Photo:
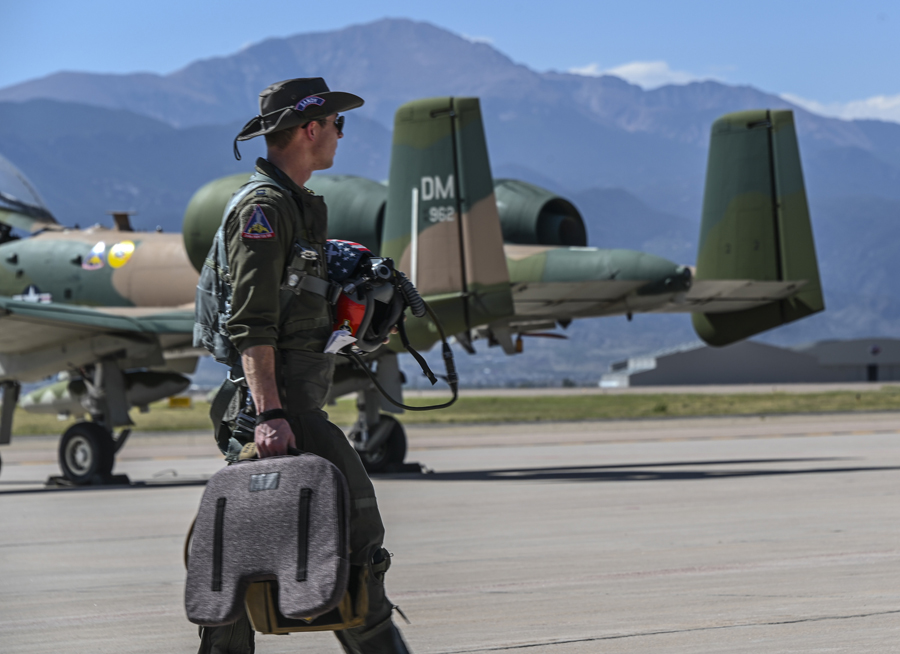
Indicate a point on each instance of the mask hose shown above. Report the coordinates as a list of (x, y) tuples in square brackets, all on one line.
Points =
[(449, 363), (411, 295)]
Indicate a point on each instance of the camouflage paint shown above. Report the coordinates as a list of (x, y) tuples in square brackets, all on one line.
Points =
[(148, 269), (203, 215), (355, 207), (440, 183), (756, 222), (547, 264)]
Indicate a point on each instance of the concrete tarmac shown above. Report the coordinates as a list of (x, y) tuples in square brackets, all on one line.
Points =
[(679, 535)]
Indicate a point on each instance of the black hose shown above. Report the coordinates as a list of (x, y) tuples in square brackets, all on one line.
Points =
[(411, 295), (362, 365), (419, 308), (449, 363)]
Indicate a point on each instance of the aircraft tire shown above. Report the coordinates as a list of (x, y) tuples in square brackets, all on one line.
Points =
[(391, 452), (86, 453)]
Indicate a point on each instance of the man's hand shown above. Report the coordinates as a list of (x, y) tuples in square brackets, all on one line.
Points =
[(273, 438)]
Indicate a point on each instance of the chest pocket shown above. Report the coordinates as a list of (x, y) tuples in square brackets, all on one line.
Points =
[(306, 294)]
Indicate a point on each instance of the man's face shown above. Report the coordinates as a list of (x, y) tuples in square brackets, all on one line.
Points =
[(326, 143)]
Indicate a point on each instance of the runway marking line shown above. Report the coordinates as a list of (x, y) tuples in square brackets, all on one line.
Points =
[(820, 560), (664, 632)]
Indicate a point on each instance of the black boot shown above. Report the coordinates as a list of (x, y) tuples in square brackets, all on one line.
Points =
[(383, 638), (235, 638), (379, 634)]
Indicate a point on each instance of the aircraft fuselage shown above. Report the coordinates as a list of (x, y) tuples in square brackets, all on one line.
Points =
[(98, 267)]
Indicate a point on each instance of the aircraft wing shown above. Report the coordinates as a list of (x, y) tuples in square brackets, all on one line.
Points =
[(566, 300), (41, 339)]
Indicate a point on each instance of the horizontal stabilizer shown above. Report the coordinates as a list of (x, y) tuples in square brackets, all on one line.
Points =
[(590, 298)]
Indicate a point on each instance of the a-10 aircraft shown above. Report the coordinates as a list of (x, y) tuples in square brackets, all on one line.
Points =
[(495, 259)]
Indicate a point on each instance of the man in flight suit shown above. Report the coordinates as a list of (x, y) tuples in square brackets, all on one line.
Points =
[(283, 356)]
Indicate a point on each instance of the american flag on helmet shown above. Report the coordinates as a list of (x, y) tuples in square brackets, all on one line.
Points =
[(343, 258)]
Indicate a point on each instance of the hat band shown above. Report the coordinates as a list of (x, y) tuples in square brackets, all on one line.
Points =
[(269, 126)]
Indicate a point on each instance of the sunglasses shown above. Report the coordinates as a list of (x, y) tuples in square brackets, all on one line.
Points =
[(338, 123)]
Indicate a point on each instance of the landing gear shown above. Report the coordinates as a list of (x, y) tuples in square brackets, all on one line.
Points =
[(377, 437), (87, 450), (87, 453), (383, 446)]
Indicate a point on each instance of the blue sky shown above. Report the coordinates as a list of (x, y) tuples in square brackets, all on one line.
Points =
[(838, 58)]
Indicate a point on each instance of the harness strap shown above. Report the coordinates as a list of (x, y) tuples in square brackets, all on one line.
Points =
[(217, 409), (299, 281)]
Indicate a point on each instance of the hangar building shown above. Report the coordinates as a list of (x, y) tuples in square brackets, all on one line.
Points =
[(750, 362)]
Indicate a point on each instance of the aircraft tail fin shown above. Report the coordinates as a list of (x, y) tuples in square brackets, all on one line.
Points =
[(441, 224), (756, 222)]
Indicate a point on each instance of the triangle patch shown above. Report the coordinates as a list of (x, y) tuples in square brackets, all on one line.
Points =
[(258, 226)]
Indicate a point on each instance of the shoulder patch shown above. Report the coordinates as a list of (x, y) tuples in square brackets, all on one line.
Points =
[(260, 191), (258, 226)]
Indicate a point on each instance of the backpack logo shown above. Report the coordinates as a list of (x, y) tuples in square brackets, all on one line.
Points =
[(258, 226), (264, 482)]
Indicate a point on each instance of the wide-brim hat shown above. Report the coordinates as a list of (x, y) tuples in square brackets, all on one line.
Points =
[(296, 102)]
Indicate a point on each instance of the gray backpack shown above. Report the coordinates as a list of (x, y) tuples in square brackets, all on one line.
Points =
[(279, 519)]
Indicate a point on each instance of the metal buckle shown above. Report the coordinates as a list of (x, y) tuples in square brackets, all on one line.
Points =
[(305, 253)]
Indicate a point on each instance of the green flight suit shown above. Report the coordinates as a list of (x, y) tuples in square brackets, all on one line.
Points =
[(260, 234)]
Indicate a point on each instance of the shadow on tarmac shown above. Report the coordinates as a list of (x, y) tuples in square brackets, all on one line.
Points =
[(644, 471), (608, 473), (135, 485)]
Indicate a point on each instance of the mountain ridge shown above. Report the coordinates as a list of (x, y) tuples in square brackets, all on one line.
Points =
[(223, 89), (392, 61)]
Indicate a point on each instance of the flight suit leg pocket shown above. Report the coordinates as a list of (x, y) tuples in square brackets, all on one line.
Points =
[(306, 380)]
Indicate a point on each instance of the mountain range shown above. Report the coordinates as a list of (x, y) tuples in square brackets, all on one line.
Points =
[(632, 160)]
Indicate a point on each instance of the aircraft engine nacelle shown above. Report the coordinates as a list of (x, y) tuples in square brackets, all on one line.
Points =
[(530, 215), (355, 211), (204, 215), (355, 207), (141, 388)]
